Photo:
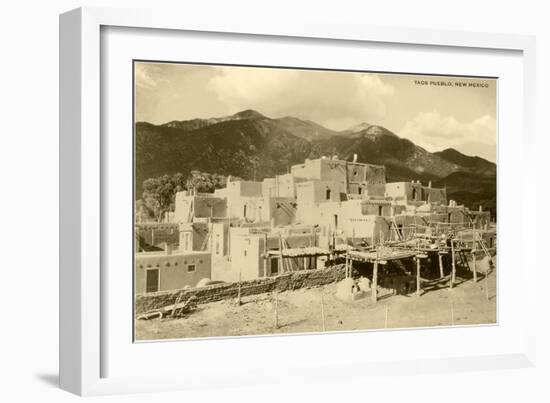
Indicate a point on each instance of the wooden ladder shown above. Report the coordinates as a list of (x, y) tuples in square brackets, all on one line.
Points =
[(394, 226), (205, 242), (485, 250)]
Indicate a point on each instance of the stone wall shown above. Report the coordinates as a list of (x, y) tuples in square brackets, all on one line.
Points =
[(217, 292)]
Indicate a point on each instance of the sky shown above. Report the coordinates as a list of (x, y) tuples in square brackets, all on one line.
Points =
[(435, 112)]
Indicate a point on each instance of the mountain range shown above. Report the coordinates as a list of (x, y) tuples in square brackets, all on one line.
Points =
[(253, 146)]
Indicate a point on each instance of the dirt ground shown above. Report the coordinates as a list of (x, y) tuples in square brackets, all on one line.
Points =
[(302, 311)]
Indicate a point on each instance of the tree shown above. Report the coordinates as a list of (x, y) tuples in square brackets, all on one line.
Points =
[(205, 182), (159, 193)]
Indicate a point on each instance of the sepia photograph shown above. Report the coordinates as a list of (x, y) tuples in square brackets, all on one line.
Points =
[(275, 200)]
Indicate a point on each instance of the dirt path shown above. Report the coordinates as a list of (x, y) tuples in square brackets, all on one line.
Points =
[(300, 311)]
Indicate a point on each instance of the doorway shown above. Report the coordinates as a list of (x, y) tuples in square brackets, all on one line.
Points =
[(152, 277), (274, 266)]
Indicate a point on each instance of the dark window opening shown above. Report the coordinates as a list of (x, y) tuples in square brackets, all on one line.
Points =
[(360, 190), (380, 210), (327, 195), (191, 268), (335, 221)]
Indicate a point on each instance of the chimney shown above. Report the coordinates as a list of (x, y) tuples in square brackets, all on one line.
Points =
[(334, 157), (355, 157), (228, 180), (167, 248), (480, 208), (429, 184)]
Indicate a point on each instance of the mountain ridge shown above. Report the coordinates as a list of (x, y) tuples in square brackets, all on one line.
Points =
[(251, 145)]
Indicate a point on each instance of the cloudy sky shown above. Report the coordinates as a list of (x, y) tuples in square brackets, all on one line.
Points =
[(460, 114)]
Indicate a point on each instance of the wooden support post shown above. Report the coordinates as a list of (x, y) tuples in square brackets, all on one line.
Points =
[(417, 275), (386, 318), (474, 265), (487, 283), (453, 270), (265, 256), (281, 262), (239, 291), (374, 287), (440, 257), (347, 263)]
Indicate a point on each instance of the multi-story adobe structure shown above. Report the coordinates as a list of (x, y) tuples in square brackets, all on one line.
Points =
[(250, 227)]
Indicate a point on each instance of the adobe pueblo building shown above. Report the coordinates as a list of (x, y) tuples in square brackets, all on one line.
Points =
[(322, 211)]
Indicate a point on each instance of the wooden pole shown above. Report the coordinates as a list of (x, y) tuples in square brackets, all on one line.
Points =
[(487, 284), (417, 275), (281, 262), (474, 268), (239, 291), (386, 318), (265, 255), (347, 263), (453, 271), (440, 257), (374, 282)]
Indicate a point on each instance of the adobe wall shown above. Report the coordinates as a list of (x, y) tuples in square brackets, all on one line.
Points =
[(155, 235), (218, 292), (173, 269)]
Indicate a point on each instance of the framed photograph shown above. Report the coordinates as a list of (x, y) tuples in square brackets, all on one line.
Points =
[(316, 200)]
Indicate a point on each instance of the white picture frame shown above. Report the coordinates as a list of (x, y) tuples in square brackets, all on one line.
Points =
[(82, 173)]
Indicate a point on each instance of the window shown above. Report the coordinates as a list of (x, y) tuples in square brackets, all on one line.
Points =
[(152, 277), (360, 190), (380, 210), (217, 244), (191, 268), (414, 194), (327, 195), (244, 211)]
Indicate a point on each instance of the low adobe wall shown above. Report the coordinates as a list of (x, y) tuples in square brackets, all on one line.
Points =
[(217, 292)]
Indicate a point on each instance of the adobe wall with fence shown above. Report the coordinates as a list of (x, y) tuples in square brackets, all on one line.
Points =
[(218, 292)]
